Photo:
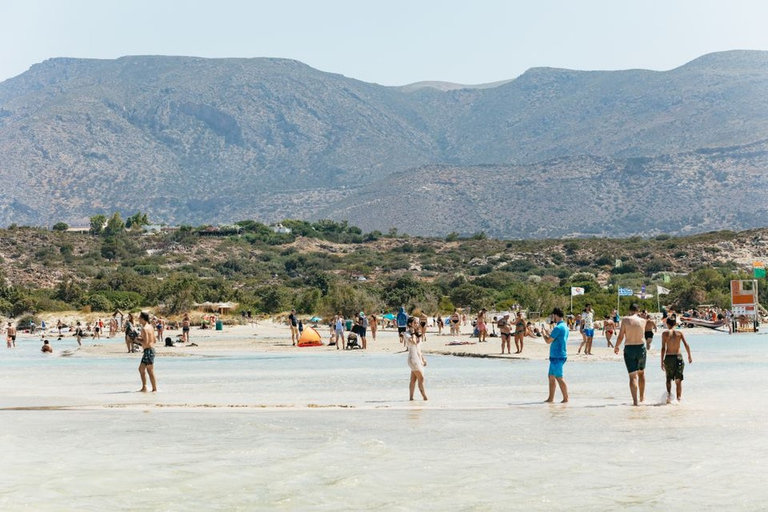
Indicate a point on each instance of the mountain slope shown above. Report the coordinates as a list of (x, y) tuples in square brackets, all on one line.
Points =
[(193, 140), (692, 192)]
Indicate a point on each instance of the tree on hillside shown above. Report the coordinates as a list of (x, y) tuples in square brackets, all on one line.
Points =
[(136, 221), (60, 226), (115, 225), (97, 224)]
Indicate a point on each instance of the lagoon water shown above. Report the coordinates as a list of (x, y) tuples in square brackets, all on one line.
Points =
[(328, 431)]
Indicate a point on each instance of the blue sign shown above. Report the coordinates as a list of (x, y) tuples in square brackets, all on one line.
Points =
[(625, 292)]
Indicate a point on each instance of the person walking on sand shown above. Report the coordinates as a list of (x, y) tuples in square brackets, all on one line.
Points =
[(588, 319), (557, 340), (373, 322), (505, 333), (650, 328), (672, 360), (160, 326), (130, 333), (147, 339), (608, 328), (362, 329), (293, 322), (423, 324), (520, 328), (185, 324), (632, 328), (339, 331), (440, 325), (416, 361), (482, 328), (455, 320)]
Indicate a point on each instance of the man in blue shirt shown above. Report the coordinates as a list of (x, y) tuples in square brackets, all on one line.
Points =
[(402, 321), (557, 340)]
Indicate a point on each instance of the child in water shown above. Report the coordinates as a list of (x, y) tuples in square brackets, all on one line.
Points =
[(671, 359), (416, 361)]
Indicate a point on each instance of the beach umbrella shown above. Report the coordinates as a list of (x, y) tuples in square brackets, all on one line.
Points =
[(315, 319), (389, 316)]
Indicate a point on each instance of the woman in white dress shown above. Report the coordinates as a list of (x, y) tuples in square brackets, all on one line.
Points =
[(416, 361)]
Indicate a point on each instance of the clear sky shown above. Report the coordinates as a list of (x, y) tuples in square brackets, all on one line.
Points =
[(391, 42)]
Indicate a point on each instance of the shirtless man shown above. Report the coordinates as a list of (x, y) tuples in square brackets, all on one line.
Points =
[(147, 339), (11, 333), (671, 358), (650, 328), (632, 328)]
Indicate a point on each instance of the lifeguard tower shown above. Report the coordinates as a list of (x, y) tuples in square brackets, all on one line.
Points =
[(744, 305)]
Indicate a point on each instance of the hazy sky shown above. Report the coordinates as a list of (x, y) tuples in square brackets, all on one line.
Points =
[(391, 42)]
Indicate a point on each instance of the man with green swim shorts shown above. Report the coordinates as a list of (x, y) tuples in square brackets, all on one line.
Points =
[(557, 340), (632, 328)]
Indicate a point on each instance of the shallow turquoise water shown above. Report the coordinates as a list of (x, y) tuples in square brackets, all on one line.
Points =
[(339, 433)]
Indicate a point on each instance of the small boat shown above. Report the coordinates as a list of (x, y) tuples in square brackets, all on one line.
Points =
[(700, 322)]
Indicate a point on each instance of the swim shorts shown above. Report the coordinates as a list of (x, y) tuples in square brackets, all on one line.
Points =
[(148, 357), (674, 366), (589, 333), (649, 335), (634, 357), (400, 330), (556, 366), (185, 329), (361, 331)]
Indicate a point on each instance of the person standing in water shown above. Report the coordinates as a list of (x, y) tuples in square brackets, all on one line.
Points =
[(148, 340), (650, 328), (558, 355), (632, 328), (416, 361), (11, 335), (672, 360)]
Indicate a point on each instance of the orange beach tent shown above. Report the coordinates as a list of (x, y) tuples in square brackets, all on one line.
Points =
[(310, 338)]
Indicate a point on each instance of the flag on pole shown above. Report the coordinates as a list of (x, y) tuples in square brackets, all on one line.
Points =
[(575, 290), (625, 292), (661, 290)]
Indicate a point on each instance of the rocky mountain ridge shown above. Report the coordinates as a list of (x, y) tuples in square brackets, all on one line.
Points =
[(193, 140)]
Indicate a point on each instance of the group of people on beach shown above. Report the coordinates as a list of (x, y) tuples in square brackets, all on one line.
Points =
[(634, 333)]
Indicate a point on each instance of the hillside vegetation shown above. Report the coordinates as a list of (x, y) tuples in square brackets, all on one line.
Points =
[(325, 267)]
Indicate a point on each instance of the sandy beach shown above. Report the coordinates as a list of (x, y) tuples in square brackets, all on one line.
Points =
[(269, 336)]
